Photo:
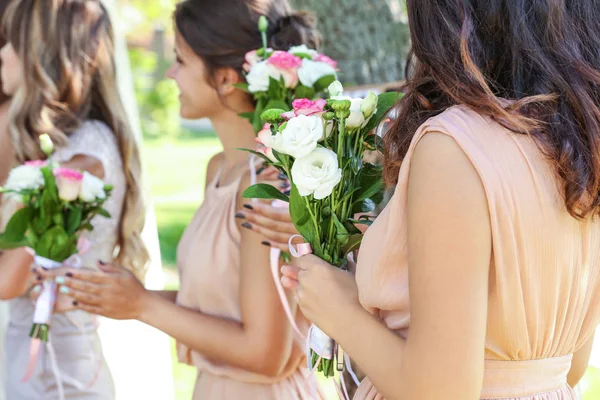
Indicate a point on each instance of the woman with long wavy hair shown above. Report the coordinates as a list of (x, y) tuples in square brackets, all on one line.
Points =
[(58, 66), (481, 278)]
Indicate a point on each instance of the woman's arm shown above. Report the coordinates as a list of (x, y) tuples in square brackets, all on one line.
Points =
[(449, 247), (579, 365), (15, 271)]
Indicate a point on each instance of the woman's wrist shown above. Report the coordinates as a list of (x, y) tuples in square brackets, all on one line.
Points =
[(147, 304)]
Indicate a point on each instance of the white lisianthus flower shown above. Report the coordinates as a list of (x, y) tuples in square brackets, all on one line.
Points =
[(369, 105), (92, 188), (258, 77), (335, 89), (25, 177), (318, 173), (299, 137), (357, 117), (311, 71), (303, 49)]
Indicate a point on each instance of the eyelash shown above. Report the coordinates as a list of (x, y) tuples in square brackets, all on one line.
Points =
[(179, 60)]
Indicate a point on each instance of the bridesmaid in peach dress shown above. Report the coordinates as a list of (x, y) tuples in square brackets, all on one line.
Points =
[(226, 317), (481, 278)]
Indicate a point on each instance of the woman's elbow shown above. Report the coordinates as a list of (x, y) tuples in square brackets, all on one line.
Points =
[(269, 361)]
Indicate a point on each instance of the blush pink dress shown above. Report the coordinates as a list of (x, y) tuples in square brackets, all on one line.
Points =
[(208, 259), (544, 294)]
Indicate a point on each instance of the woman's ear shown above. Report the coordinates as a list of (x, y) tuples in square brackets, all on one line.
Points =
[(225, 78)]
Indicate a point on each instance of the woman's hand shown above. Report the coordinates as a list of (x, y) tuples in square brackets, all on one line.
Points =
[(112, 292), (273, 223), (324, 293)]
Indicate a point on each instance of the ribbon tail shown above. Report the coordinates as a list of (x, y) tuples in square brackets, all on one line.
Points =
[(350, 370), (34, 351), (274, 258), (56, 370)]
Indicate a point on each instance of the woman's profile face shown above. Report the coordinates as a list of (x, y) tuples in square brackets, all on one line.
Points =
[(12, 72), (197, 97)]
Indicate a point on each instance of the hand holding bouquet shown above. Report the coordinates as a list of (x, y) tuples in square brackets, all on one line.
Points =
[(58, 204), (320, 146)]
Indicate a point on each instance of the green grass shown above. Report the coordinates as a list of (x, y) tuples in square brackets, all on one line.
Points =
[(176, 170)]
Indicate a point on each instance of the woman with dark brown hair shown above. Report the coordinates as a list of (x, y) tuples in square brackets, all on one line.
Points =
[(226, 316), (481, 278)]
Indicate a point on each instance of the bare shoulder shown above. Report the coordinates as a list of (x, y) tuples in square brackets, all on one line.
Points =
[(214, 164)]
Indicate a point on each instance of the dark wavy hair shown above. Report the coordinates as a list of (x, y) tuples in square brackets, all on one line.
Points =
[(222, 32), (544, 55)]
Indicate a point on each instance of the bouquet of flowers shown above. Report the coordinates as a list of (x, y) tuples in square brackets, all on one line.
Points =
[(320, 146), (58, 204), (275, 78)]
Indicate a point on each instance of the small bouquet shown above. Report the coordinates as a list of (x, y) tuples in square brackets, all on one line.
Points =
[(320, 146), (275, 78), (58, 204)]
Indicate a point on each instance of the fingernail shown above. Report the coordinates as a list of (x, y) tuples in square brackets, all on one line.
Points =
[(261, 169), (34, 270), (248, 206), (247, 225), (64, 290), (39, 277), (288, 192), (60, 280), (69, 274), (45, 269), (37, 289), (284, 185), (75, 302), (240, 215), (283, 177), (101, 262), (264, 242)]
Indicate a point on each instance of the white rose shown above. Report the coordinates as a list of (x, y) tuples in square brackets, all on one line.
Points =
[(311, 71), (300, 136), (258, 77), (92, 188), (25, 177), (317, 173), (303, 49), (356, 118)]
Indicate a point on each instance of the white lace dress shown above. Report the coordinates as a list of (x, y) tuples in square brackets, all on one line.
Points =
[(82, 369)]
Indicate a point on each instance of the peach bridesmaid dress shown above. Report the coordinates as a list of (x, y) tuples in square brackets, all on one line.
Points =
[(208, 259), (544, 294)]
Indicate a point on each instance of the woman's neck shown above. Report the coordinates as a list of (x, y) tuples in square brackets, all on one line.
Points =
[(235, 133)]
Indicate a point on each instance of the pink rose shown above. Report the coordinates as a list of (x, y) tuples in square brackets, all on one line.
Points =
[(267, 151), (36, 163), (68, 182), (324, 59), (288, 114), (308, 107), (262, 137), (284, 60)]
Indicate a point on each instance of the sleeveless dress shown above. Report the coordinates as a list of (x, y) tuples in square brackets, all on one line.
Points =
[(73, 335), (544, 291), (208, 258)]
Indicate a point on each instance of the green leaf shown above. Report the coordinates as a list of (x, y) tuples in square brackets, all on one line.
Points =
[(104, 213), (305, 92), (241, 86), (353, 243), (74, 220), (324, 82), (274, 91), (264, 191), (256, 153), (371, 183), (7, 244), (247, 115), (303, 221), (50, 183), (385, 101), (375, 142), (256, 121), (18, 225), (277, 103)]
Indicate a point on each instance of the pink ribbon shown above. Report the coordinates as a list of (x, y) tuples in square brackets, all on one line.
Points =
[(83, 246)]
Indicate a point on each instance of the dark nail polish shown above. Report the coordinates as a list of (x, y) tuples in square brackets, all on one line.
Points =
[(45, 269), (265, 243), (248, 206), (240, 215), (283, 177), (260, 170), (284, 185), (287, 193), (39, 278), (101, 262), (75, 302), (69, 275), (247, 225)]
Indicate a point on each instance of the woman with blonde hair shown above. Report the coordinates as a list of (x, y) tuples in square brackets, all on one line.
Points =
[(58, 66)]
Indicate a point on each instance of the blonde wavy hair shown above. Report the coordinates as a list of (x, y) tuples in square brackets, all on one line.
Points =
[(66, 48)]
